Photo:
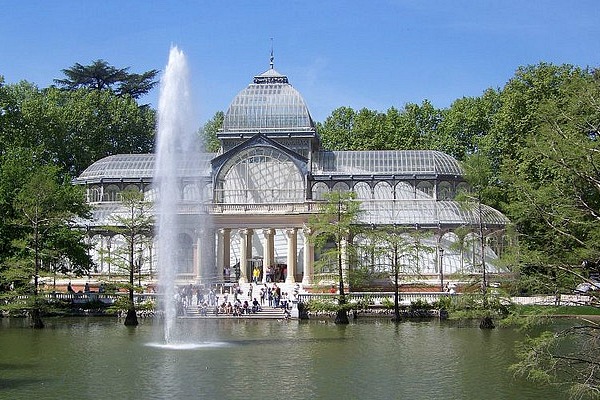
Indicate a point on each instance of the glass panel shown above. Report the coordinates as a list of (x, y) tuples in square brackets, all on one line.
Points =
[(260, 175)]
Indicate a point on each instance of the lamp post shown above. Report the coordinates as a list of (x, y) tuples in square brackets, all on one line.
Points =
[(441, 251)]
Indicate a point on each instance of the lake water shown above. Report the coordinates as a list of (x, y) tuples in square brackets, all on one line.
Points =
[(99, 358)]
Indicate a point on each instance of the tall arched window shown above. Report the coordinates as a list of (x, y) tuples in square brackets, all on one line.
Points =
[(94, 194), (260, 175)]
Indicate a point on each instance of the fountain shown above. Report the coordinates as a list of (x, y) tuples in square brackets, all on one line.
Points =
[(176, 145)]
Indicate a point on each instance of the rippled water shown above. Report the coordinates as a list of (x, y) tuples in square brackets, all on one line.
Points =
[(259, 359)]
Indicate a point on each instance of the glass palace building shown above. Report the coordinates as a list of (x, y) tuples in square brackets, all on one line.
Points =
[(269, 176)]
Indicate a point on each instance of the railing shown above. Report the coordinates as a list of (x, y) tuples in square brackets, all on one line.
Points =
[(372, 298), (376, 298), (82, 298), (379, 298)]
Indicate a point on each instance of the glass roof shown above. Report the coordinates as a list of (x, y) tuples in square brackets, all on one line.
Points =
[(138, 166), (429, 213), (268, 104), (386, 162)]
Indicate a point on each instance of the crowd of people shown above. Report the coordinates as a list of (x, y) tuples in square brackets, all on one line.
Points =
[(233, 302)]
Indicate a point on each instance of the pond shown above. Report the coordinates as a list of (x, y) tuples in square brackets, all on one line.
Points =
[(89, 358)]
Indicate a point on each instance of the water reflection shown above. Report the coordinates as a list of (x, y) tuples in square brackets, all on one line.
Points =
[(241, 359)]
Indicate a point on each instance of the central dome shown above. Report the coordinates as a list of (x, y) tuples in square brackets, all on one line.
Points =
[(269, 104)]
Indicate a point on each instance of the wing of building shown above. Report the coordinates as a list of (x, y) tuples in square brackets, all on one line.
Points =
[(261, 188)]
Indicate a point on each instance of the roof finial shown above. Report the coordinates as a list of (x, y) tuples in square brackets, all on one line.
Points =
[(272, 58)]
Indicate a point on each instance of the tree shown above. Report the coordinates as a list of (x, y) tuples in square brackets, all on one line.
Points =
[(567, 358), (135, 224), (73, 129), (43, 211), (397, 249), (555, 202), (335, 223), (208, 133), (479, 175), (466, 123), (415, 127), (100, 75), (337, 129)]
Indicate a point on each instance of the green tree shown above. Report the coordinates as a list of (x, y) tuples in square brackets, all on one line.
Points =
[(554, 200), (73, 129), (43, 211), (334, 224), (100, 75), (337, 129), (208, 133), (135, 225), (397, 249), (464, 125), (479, 173), (517, 115), (417, 127)]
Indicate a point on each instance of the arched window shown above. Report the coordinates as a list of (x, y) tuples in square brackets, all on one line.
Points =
[(260, 175), (426, 188), (363, 191), (94, 194), (340, 187), (462, 187), (318, 191), (191, 192), (131, 188), (404, 191), (151, 193), (383, 191), (112, 193), (444, 191)]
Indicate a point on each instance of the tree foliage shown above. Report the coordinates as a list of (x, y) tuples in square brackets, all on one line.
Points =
[(39, 209), (412, 128), (333, 227), (396, 250), (567, 358), (135, 224), (208, 133), (100, 75), (73, 129)]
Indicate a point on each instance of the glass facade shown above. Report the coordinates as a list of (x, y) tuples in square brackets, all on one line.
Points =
[(270, 175)]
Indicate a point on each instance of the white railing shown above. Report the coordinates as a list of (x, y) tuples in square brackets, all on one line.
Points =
[(376, 298), (82, 298)]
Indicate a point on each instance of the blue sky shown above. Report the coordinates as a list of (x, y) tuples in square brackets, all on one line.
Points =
[(373, 54)]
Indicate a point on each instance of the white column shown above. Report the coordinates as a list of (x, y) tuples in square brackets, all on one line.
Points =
[(269, 251), (246, 253), (292, 242), (198, 258), (223, 249), (309, 257)]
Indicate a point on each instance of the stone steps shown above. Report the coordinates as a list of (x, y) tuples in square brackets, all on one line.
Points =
[(266, 313)]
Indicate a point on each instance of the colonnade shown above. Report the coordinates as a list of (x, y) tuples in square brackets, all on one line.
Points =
[(223, 257)]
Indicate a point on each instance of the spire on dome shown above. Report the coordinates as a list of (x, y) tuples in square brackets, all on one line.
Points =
[(272, 59)]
